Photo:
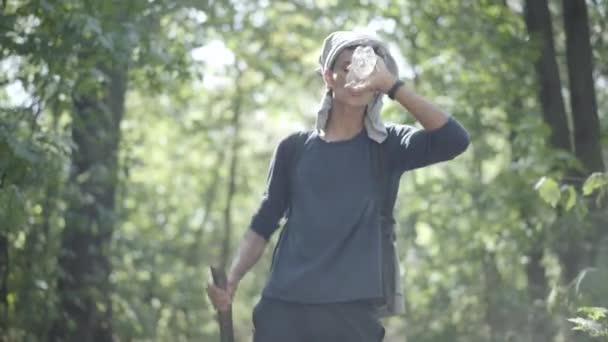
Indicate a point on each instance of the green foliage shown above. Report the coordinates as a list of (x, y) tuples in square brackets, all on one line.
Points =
[(31, 169), (594, 322), (566, 195), (596, 182), (549, 191), (212, 85)]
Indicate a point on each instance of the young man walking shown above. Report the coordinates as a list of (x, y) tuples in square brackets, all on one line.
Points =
[(327, 275)]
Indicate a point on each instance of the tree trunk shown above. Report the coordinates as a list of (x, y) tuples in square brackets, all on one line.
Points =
[(540, 29), (83, 283), (587, 146), (582, 92), (538, 22), (541, 326), (3, 283)]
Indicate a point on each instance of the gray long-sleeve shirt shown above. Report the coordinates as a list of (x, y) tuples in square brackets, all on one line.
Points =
[(330, 249)]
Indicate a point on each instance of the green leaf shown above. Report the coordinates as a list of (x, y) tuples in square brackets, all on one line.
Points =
[(586, 325), (594, 312), (571, 197), (548, 190), (595, 181)]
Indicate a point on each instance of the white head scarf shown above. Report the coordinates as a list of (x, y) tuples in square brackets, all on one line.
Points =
[(332, 46)]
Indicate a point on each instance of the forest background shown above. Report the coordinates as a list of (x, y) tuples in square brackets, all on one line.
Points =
[(135, 138)]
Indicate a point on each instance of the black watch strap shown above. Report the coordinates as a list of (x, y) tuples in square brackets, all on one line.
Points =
[(391, 92)]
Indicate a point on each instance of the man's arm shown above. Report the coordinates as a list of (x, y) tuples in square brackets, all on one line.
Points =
[(249, 252), (266, 219), (429, 115), (442, 138), (263, 224)]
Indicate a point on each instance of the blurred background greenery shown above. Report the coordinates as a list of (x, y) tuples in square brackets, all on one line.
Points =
[(135, 138)]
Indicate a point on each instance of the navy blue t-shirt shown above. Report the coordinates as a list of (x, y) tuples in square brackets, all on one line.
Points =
[(330, 248)]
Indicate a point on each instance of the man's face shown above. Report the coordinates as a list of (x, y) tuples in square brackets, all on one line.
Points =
[(336, 79)]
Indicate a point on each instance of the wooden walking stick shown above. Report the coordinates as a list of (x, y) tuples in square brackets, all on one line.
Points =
[(224, 318)]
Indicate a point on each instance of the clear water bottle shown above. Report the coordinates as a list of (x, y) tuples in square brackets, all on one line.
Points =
[(362, 65)]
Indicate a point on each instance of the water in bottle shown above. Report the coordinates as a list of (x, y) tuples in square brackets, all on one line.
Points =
[(362, 65)]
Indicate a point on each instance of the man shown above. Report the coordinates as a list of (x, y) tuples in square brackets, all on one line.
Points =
[(326, 273)]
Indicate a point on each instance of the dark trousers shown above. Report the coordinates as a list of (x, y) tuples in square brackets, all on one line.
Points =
[(280, 321)]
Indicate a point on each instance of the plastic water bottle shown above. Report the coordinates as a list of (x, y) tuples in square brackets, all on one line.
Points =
[(362, 65)]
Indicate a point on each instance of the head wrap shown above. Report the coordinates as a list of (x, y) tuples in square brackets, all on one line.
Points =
[(335, 43)]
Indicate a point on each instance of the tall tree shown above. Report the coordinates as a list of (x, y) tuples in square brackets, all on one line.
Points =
[(582, 249), (583, 104), (540, 28), (98, 107), (3, 281), (575, 246), (539, 24), (538, 21), (83, 281)]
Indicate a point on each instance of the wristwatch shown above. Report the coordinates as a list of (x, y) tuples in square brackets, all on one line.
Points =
[(391, 92)]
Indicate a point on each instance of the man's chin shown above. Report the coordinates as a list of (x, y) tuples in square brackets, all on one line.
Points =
[(361, 101), (356, 100)]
